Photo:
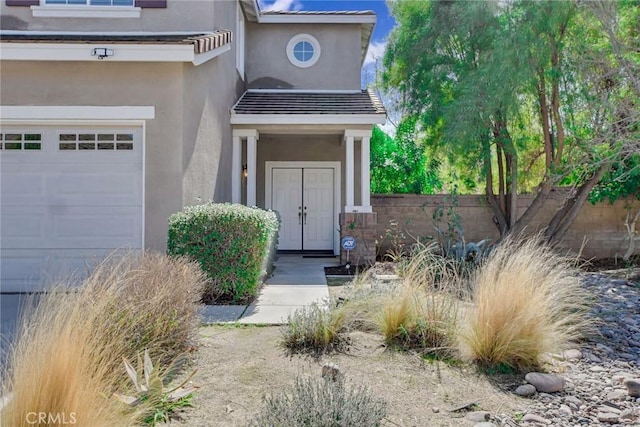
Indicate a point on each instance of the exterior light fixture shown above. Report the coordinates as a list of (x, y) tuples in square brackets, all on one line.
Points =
[(244, 171), (101, 52)]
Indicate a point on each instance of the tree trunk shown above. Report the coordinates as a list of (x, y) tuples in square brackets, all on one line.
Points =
[(498, 214), (630, 225), (562, 220)]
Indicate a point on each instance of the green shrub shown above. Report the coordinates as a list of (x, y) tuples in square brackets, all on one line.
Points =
[(313, 329), (321, 403), (232, 244)]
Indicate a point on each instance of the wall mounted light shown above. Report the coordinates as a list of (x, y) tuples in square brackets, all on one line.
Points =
[(244, 171), (101, 52)]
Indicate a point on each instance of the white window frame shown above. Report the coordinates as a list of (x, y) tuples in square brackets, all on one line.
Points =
[(303, 38), (45, 10), (240, 29)]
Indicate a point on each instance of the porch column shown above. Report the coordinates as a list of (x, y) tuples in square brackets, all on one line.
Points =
[(252, 154), (349, 173), (236, 170), (365, 175)]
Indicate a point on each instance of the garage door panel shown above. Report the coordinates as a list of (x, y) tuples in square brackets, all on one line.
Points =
[(25, 186), (22, 225), (93, 188), (63, 210), (46, 268), (80, 230)]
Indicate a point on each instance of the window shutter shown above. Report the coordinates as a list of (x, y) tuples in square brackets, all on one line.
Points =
[(23, 2), (158, 4)]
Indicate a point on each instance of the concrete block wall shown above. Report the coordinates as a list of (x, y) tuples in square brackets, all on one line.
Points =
[(598, 229), (364, 228)]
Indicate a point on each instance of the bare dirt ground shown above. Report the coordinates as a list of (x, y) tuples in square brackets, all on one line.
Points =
[(238, 366)]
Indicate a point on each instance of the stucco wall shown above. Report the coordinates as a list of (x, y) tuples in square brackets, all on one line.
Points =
[(599, 226), (209, 92), (180, 15), (269, 68), (150, 84)]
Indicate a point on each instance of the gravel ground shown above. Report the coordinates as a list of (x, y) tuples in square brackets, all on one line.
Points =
[(238, 366)]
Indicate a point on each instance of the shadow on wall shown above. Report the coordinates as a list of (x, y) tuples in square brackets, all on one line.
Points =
[(270, 83)]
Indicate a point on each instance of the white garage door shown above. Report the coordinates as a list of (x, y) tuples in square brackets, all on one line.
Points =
[(69, 196)]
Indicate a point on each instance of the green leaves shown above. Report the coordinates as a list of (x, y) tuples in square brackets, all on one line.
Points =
[(399, 165), (159, 401), (230, 242)]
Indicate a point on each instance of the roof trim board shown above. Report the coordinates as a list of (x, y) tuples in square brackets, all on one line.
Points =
[(148, 47), (308, 119)]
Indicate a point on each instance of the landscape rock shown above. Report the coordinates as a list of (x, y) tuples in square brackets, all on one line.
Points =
[(617, 395), (572, 354), (607, 417), (547, 383), (601, 385), (633, 387), (525, 390), (533, 418), (629, 415), (478, 416)]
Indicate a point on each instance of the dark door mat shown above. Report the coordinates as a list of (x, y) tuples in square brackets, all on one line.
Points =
[(318, 256)]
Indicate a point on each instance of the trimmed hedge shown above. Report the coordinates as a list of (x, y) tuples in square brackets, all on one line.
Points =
[(234, 245)]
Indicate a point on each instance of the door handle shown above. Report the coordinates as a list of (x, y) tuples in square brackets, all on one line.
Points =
[(305, 215), (299, 215)]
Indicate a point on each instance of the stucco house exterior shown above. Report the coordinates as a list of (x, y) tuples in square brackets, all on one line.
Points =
[(114, 114)]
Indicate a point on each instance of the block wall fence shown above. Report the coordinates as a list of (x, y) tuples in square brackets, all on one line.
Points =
[(599, 229)]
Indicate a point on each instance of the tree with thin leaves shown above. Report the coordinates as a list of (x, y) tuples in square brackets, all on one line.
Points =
[(492, 83)]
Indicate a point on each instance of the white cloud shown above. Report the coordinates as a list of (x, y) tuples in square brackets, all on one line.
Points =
[(266, 5), (375, 52)]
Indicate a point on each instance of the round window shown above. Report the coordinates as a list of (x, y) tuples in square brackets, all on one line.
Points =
[(303, 50)]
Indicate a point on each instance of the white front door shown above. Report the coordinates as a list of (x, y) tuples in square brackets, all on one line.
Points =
[(304, 197), (287, 201)]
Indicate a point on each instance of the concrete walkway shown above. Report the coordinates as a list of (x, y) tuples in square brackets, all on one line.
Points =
[(296, 282)]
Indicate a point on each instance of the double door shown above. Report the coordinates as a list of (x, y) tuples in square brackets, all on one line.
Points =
[(305, 200)]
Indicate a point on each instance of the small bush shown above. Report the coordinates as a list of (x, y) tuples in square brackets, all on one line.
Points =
[(67, 357), (313, 329), (230, 242), (528, 301), (321, 403), (422, 320), (152, 300), (434, 289)]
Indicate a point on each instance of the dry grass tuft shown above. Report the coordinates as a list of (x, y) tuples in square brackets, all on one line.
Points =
[(528, 301), (419, 313), (313, 329), (67, 356)]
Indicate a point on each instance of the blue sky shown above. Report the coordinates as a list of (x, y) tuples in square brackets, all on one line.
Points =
[(384, 24)]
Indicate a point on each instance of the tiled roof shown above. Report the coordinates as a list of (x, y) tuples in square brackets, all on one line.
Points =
[(318, 12), (289, 102), (202, 42)]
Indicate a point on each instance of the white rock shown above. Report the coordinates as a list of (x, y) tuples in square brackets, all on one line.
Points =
[(607, 417), (617, 395), (572, 354)]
